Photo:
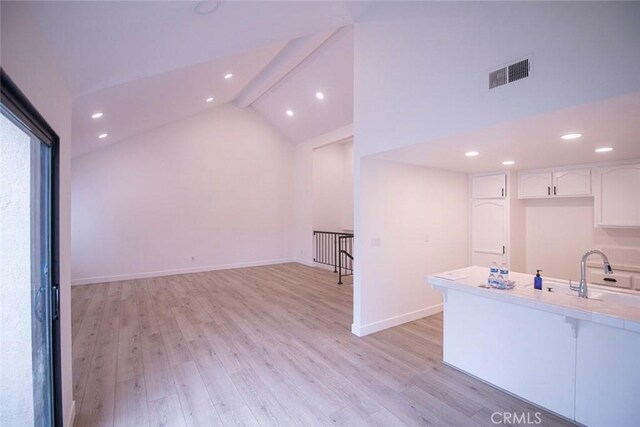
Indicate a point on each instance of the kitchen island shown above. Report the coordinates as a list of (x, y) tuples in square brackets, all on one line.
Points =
[(574, 356)]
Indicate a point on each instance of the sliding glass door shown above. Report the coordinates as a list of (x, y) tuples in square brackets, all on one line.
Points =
[(29, 330)]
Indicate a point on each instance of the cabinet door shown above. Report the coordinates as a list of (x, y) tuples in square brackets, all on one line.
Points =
[(488, 232), (617, 201), (534, 185), (489, 186), (572, 183)]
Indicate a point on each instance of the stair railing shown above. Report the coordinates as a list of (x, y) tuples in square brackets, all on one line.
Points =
[(334, 249), (345, 259)]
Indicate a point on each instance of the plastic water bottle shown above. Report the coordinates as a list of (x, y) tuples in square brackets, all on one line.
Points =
[(504, 271), (493, 274), (491, 281)]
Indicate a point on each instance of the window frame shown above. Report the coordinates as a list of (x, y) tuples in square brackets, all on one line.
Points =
[(15, 101)]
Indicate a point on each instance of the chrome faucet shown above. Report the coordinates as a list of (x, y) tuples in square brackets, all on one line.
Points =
[(583, 292)]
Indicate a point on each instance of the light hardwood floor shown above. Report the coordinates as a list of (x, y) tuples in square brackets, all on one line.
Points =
[(261, 346)]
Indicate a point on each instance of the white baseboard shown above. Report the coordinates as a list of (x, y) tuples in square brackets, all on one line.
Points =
[(305, 262), (72, 414), (311, 263), (394, 321), (146, 275)]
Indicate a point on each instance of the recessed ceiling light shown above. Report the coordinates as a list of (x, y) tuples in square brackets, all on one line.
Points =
[(103, 135), (471, 153), (319, 95), (210, 99), (603, 149), (96, 115), (571, 136), (228, 76), (508, 162), (290, 113)]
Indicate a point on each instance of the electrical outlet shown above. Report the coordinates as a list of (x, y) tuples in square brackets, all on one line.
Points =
[(426, 238), (193, 259)]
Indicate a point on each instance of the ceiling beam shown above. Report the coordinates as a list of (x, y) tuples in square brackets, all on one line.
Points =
[(286, 61)]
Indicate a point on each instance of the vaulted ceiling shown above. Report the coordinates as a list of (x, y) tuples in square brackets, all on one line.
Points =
[(105, 43), (145, 64)]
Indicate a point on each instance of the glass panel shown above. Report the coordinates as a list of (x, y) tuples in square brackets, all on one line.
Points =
[(26, 394)]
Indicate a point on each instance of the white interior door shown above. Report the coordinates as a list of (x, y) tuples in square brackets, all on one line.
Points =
[(488, 232)]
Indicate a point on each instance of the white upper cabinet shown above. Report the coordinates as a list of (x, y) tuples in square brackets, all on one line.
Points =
[(559, 183), (534, 185), (489, 186), (617, 196), (571, 183)]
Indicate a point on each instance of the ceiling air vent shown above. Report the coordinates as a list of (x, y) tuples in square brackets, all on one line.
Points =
[(510, 73), (498, 78)]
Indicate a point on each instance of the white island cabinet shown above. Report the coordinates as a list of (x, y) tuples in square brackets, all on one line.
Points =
[(574, 356)]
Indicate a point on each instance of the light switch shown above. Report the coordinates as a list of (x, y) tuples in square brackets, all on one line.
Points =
[(375, 242)]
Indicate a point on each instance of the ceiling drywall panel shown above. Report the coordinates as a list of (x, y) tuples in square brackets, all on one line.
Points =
[(535, 142), (138, 106)]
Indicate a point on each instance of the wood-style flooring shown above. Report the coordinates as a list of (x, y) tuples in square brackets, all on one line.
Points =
[(261, 346)]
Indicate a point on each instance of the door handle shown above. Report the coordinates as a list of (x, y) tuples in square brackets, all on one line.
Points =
[(504, 250), (554, 190), (548, 191), (55, 296)]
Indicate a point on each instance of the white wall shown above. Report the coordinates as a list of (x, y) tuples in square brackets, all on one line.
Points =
[(415, 224), (559, 231), (303, 195), (517, 226), (216, 186), (421, 73), (332, 187), (347, 194), (27, 58)]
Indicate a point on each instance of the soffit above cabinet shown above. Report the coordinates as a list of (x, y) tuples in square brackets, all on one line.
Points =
[(535, 142)]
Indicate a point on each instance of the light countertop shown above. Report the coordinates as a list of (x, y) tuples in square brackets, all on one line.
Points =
[(605, 312)]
